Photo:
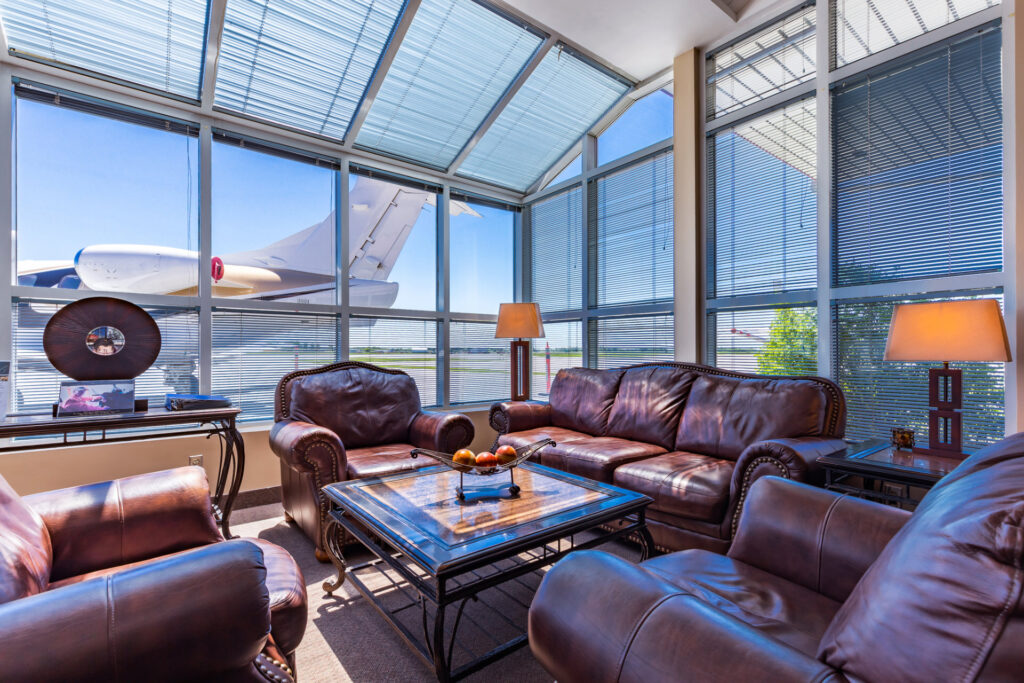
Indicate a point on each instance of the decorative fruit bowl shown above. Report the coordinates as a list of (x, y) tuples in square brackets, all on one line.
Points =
[(486, 464)]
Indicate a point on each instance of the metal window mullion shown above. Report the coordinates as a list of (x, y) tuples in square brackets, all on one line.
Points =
[(521, 255), (7, 199), (589, 163), (823, 121), (211, 53), (767, 105), (1014, 287), (341, 252), (205, 255), (444, 366)]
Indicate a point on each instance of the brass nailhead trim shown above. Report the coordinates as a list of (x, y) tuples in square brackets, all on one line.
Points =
[(783, 472)]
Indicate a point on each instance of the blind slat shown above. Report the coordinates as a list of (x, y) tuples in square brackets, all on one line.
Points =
[(626, 341), (561, 347), (481, 365), (556, 251), (779, 341), (406, 345)]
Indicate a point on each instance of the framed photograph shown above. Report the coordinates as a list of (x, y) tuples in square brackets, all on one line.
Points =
[(100, 397)]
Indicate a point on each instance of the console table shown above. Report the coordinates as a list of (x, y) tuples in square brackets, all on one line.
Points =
[(99, 429)]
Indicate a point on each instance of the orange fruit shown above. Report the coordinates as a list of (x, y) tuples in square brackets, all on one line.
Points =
[(464, 456)]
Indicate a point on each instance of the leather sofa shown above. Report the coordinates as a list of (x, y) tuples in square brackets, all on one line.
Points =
[(692, 437), (816, 587), (131, 580), (351, 420)]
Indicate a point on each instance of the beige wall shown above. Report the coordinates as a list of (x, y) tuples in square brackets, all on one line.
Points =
[(43, 470), (686, 156)]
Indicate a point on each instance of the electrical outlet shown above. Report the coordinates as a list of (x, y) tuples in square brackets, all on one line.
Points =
[(195, 460)]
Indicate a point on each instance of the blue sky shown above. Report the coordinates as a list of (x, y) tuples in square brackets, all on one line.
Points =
[(84, 179)]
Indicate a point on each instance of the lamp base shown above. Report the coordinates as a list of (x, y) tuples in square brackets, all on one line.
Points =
[(520, 350), (945, 416)]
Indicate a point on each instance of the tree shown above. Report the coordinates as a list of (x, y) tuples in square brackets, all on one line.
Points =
[(792, 346)]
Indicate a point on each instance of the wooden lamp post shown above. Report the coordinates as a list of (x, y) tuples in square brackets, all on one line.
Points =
[(519, 322), (944, 331)]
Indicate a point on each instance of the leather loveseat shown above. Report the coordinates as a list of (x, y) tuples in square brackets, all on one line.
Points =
[(131, 580), (816, 587), (351, 420), (692, 437)]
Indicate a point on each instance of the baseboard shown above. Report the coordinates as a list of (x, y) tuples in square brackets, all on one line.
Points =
[(250, 499)]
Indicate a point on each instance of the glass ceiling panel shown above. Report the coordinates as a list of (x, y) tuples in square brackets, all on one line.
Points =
[(302, 63), (560, 101), (157, 44), (456, 61)]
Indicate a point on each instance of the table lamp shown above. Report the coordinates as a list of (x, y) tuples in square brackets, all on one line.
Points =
[(944, 331), (519, 322)]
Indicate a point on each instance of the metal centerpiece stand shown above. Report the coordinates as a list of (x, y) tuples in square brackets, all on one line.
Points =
[(493, 491)]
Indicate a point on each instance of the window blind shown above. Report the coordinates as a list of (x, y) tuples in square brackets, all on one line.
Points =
[(762, 204), (773, 341), (35, 382), (407, 345), (301, 63), (630, 241), (885, 394), (556, 251), (253, 351), (561, 100), (157, 44), (918, 166), (561, 347), (455, 62), (771, 60), (480, 363), (624, 341), (864, 27)]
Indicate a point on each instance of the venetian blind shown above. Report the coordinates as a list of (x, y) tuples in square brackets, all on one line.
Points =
[(625, 341), (556, 251), (771, 341), (406, 345), (480, 364)]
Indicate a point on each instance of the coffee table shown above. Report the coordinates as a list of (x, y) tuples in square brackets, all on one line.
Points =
[(437, 552)]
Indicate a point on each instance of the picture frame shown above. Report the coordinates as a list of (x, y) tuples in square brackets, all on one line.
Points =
[(96, 397)]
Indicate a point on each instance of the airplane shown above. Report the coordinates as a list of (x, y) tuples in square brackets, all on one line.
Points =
[(299, 267)]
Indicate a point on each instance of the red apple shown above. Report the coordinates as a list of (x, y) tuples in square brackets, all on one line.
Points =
[(506, 454), (486, 459)]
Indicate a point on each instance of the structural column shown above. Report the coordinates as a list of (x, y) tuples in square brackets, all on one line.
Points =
[(689, 318)]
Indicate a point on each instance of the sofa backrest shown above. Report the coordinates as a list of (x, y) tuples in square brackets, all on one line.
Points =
[(581, 399), (648, 404), (363, 404), (25, 552), (946, 591)]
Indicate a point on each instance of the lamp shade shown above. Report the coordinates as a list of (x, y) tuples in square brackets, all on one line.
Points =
[(943, 331), (519, 321)]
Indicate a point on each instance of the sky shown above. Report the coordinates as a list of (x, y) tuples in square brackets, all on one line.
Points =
[(84, 179)]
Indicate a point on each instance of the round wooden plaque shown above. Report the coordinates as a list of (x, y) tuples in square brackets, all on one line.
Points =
[(101, 338)]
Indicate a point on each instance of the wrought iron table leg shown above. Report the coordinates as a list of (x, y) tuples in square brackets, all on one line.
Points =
[(236, 481), (646, 540), (441, 667), (333, 546)]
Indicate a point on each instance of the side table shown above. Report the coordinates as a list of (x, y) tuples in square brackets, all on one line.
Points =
[(876, 460)]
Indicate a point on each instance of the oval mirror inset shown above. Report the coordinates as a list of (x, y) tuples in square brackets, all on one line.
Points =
[(104, 340)]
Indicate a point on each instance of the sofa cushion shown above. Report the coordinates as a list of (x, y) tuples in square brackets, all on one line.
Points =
[(581, 399), (778, 608), (596, 457), (378, 461), (686, 484), (529, 436), (25, 552), (648, 404), (724, 415), (952, 575), (363, 407)]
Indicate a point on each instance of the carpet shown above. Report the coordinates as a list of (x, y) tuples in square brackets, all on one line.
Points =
[(348, 640)]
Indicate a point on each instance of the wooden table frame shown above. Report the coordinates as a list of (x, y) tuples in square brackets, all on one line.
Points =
[(458, 581), (219, 422)]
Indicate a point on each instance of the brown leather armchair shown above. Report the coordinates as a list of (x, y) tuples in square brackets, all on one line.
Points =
[(351, 420), (131, 580), (816, 587)]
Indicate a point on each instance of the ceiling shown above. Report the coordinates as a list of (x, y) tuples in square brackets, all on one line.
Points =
[(639, 38)]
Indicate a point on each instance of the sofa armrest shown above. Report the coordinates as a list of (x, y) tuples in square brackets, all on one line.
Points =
[(518, 416), (598, 617), (307, 447), (819, 539), (181, 618), (445, 432), (126, 520)]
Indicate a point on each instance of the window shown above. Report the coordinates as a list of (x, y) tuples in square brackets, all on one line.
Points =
[(772, 60), (252, 351), (918, 166), (481, 365), (454, 64), (781, 341), (482, 239), (107, 198), (556, 251), (617, 342), (647, 121), (863, 27), (561, 347), (35, 382), (157, 45), (301, 63), (631, 240), (392, 243), (273, 224), (574, 168), (406, 345)]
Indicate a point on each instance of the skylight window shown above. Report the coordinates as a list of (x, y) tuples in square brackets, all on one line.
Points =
[(302, 63), (454, 64), (560, 101), (157, 45)]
